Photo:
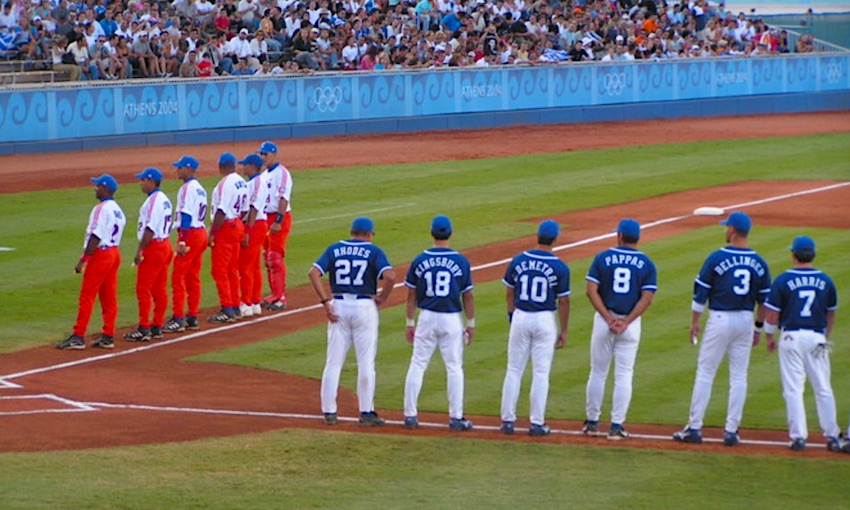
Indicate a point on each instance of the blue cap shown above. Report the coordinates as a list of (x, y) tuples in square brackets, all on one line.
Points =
[(187, 161), (150, 173), (364, 224), (803, 245), (268, 148), (253, 160), (441, 226), (629, 227), (549, 229), (107, 181), (738, 221), (227, 159)]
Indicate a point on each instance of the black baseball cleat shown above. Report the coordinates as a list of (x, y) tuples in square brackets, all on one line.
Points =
[(370, 419), (331, 418), (156, 332), (72, 343), (175, 325), (222, 317), (192, 323), (140, 334), (104, 342)]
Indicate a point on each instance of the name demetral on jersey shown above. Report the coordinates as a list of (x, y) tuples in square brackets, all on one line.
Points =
[(440, 276), (192, 200), (230, 196), (803, 296), (279, 185), (107, 222), (258, 195), (732, 279), (622, 273), (354, 267), (155, 215), (539, 278)]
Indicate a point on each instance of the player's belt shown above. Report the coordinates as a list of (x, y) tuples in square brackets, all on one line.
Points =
[(351, 296), (820, 331)]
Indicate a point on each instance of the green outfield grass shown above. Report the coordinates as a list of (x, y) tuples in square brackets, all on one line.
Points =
[(490, 200)]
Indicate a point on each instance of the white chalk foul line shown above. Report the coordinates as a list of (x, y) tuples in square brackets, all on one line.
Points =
[(73, 405), (4, 379), (6, 248)]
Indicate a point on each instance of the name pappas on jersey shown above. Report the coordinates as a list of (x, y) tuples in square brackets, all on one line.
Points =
[(732, 279), (440, 276), (354, 267), (538, 279), (622, 274)]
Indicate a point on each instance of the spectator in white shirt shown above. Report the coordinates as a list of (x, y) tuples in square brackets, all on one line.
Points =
[(248, 10)]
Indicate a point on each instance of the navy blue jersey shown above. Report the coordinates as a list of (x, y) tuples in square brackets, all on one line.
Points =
[(802, 297), (732, 279), (440, 276), (354, 267), (538, 279), (622, 275)]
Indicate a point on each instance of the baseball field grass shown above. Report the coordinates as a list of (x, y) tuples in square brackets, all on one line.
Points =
[(489, 201)]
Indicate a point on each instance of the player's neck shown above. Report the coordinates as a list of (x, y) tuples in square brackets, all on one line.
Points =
[(544, 247), (441, 243), (804, 265)]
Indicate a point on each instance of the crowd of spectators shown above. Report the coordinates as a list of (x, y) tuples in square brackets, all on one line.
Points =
[(119, 39)]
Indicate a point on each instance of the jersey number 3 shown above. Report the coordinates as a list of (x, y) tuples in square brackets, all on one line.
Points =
[(743, 287)]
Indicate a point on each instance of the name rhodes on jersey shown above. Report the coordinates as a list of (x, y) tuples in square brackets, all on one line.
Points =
[(432, 262), (537, 265), (622, 259), (806, 281), (357, 251), (737, 261)]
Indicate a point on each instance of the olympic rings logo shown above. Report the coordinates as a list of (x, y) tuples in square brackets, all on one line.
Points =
[(327, 98), (833, 72), (614, 83)]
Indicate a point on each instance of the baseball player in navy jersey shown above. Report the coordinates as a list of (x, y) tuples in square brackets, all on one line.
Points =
[(802, 303), (99, 264), (354, 268), (439, 283), (191, 244), (153, 257), (621, 284), (538, 299), (732, 281)]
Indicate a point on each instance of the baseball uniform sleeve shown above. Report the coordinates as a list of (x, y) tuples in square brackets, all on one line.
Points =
[(381, 261), (466, 277), (323, 264), (650, 280), (594, 274), (563, 287), (774, 298), (410, 279), (764, 284), (98, 223), (702, 284), (510, 277), (831, 296)]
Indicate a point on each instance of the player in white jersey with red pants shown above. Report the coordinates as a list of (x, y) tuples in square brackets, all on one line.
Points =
[(101, 260), (439, 283), (538, 299), (229, 199), (256, 231), (153, 257), (802, 303), (192, 242), (279, 212)]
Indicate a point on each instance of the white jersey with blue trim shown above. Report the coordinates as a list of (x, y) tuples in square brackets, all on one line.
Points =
[(622, 273), (440, 276), (538, 278), (354, 267), (803, 296), (732, 279)]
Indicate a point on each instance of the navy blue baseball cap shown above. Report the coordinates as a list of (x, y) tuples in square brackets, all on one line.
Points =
[(549, 229), (629, 227), (738, 221), (268, 148), (107, 181), (441, 226), (150, 173), (803, 245), (253, 160), (187, 161), (363, 223), (227, 159)]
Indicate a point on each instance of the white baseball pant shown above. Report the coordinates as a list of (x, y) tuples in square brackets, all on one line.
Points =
[(358, 326), (800, 356), (533, 334), (729, 333), (622, 348), (433, 330)]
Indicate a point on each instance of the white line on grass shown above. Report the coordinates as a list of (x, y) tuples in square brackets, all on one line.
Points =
[(4, 379), (6, 248), (349, 215), (432, 425)]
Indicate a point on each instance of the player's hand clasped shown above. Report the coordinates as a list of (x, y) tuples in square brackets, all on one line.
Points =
[(329, 310)]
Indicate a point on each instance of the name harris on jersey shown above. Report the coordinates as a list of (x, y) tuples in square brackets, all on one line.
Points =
[(806, 281), (432, 262), (536, 265), (739, 261)]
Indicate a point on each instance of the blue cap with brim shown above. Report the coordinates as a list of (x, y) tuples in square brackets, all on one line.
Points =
[(441, 226), (253, 160), (227, 159), (629, 227), (150, 173), (363, 224), (803, 245), (738, 221), (187, 162), (107, 181), (268, 148), (549, 229)]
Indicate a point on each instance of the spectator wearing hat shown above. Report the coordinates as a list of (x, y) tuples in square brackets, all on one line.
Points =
[(143, 56), (237, 48)]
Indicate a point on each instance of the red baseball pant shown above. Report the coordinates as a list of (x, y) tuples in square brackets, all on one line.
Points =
[(250, 273), (186, 276), (225, 262), (99, 279), (275, 257), (152, 282)]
